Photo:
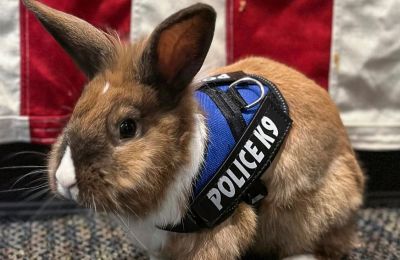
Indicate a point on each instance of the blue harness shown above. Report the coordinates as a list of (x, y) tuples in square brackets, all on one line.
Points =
[(221, 136), (247, 120)]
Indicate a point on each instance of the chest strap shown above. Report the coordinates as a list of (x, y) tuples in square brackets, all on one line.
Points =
[(257, 143)]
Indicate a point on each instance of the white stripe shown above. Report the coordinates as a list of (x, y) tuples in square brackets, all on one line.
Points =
[(12, 126), (66, 177), (147, 14), (65, 173), (9, 58), (365, 71), (145, 233)]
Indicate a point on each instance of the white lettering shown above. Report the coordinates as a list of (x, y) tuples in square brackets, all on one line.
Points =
[(253, 151), (239, 182), (226, 183), (223, 76), (209, 79), (269, 125), (265, 139), (241, 169), (250, 165), (215, 197), (227, 192)]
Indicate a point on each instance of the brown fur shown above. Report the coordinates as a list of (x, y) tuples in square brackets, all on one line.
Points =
[(227, 241), (315, 183), (133, 175)]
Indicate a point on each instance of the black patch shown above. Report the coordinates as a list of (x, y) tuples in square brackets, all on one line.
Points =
[(223, 78)]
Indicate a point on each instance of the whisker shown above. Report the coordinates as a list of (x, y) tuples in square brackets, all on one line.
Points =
[(40, 186), (130, 231), (42, 180), (26, 175), (22, 167), (47, 202), (132, 211), (36, 195), (27, 194), (13, 155), (113, 199), (20, 189), (94, 204)]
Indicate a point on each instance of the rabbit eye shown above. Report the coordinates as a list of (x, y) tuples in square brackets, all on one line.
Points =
[(127, 128)]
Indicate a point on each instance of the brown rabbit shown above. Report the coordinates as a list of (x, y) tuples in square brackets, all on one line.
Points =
[(137, 138)]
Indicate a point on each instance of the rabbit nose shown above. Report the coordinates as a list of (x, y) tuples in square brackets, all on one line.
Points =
[(65, 174)]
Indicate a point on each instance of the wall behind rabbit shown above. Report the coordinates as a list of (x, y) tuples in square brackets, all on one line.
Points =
[(349, 48)]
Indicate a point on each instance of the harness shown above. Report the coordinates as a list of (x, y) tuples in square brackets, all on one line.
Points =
[(247, 120)]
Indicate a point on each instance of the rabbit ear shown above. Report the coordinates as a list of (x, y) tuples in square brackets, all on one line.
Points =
[(89, 47), (177, 48)]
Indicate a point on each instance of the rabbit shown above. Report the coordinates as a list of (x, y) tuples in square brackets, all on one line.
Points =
[(136, 140)]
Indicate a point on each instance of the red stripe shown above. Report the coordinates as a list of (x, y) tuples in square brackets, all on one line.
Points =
[(297, 33), (229, 30), (51, 83)]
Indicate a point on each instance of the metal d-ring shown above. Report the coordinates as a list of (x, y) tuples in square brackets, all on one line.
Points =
[(258, 83)]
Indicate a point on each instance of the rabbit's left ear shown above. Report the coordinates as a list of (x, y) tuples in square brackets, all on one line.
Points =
[(89, 47), (177, 48)]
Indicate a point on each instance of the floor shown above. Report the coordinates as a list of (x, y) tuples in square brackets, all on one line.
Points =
[(89, 236)]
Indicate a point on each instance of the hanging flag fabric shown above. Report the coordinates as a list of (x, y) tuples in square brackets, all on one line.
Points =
[(348, 48)]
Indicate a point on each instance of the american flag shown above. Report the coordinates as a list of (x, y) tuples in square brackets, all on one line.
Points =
[(351, 48)]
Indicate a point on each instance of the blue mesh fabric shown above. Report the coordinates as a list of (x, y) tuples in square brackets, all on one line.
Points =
[(220, 139)]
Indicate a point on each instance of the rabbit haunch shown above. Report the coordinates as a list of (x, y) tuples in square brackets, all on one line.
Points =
[(265, 133)]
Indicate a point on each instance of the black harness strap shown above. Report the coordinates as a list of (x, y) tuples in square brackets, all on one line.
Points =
[(230, 109), (263, 136)]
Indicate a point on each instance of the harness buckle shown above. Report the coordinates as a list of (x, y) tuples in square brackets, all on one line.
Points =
[(251, 80)]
